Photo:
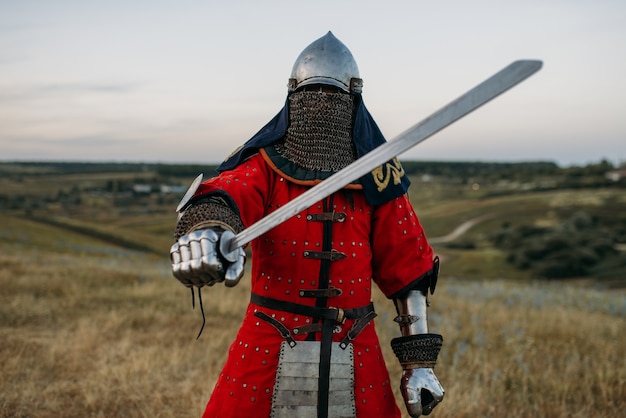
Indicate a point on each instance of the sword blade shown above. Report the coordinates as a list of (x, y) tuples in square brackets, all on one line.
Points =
[(495, 85)]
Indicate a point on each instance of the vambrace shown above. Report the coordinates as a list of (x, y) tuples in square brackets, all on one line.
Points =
[(417, 347), (209, 212)]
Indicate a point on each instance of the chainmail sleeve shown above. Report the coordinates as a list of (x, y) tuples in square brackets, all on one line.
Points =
[(209, 212)]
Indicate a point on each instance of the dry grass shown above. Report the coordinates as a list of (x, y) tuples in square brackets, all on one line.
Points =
[(530, 350), (89, 330)]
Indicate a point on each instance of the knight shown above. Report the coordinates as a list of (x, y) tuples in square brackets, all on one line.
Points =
[(307, 346)]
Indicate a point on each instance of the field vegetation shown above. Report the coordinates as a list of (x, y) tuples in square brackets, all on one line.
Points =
[(93, 325)]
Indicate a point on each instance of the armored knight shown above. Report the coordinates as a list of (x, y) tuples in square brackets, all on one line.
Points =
[(307, 346)]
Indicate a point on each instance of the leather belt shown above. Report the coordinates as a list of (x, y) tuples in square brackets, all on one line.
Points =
[(337, 314)]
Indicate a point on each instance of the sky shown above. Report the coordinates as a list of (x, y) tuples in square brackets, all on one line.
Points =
[(189, 81)]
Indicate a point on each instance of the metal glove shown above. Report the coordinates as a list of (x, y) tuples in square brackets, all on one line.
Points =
[(421, 391), (201, 258)]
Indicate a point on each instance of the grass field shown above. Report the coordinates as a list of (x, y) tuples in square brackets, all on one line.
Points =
[(91, 329), (92, 324)]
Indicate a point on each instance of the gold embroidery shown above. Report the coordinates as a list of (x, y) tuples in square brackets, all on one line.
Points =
[(384, 173)]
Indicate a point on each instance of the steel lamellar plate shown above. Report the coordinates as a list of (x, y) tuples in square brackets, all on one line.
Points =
[(295, 391), (319, 137)]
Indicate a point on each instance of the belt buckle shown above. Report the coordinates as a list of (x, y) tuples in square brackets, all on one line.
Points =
[(341, 315)]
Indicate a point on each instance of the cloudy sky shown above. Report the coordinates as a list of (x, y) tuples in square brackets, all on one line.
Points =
[(188, 81)]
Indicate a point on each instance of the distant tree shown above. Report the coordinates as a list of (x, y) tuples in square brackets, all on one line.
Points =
[(571, 248)]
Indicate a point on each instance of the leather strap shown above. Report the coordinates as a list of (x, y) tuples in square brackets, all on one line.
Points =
[(283, 330), (331, 292), (356, 329), (324, 368), (326, 216), (332, 255), (305, 329)]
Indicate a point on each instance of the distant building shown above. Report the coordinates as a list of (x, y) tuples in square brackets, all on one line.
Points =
[(616, 175), (169, 188), (142, 189), (145, 189)]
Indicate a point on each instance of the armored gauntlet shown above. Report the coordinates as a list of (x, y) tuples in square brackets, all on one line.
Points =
[(201, 255), (417, 351)]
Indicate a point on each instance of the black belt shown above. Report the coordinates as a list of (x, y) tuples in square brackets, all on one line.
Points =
[(336, 314)]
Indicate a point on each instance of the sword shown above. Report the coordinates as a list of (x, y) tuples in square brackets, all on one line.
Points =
[(495, 85)]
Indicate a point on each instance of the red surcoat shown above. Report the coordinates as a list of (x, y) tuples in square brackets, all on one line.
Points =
[(383, 244)]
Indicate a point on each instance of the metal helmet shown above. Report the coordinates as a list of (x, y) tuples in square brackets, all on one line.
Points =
[(326, 61)]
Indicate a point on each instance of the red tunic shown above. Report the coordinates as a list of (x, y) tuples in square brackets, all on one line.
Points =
[(383, 244)]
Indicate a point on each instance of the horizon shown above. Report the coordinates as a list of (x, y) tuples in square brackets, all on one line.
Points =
[(402, 160)]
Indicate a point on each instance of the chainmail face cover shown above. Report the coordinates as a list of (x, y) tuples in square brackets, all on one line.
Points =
[(319, 137)]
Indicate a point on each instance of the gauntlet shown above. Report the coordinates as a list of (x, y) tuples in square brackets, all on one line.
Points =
[(201, 257)]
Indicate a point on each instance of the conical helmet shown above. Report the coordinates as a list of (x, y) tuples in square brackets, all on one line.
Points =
[(326, 61)]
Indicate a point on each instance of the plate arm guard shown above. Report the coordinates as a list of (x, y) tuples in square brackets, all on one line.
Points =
[(412, 302)]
